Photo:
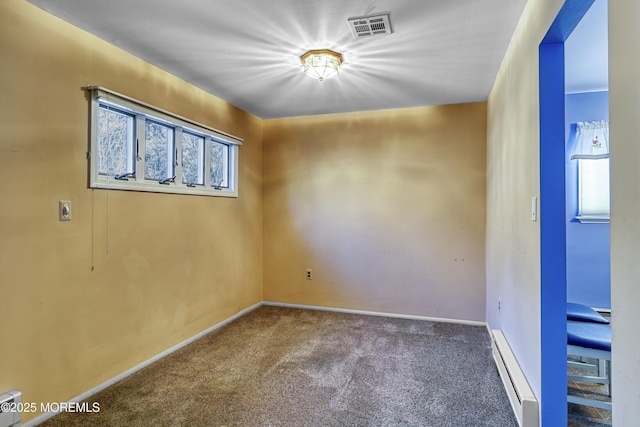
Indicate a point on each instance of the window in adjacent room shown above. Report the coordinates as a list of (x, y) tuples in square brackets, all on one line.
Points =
[(592, 151), (135, 146), (593, 188)]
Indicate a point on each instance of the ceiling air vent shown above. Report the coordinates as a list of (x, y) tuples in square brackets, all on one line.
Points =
[(369, 25)]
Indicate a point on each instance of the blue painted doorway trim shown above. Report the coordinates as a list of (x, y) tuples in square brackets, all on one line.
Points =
[(553, 263)]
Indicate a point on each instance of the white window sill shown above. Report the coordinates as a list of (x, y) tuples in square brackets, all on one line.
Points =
[(155, 187), (593, 219)]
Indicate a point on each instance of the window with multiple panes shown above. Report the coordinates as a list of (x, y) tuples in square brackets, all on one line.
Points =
[(135, 146)]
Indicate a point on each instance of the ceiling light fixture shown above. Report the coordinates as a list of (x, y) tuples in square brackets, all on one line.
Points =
[(321, 64)]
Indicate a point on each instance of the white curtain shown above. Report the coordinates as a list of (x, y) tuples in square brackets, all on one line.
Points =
[(592, 140)]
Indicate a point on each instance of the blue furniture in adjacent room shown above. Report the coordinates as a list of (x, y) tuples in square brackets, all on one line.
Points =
[(589, 335)]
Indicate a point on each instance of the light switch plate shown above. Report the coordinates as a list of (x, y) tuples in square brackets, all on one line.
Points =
[(64, 210), (534, 208)]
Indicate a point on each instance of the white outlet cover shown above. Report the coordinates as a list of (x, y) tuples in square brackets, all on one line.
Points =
[(64, 210)]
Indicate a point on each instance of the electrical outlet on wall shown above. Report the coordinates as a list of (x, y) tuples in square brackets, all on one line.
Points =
[(309, 274)]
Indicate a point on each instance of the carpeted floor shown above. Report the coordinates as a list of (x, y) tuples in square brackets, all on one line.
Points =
[(288, 367)]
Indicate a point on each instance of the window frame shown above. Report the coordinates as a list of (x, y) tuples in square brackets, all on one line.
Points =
[(143, 112)]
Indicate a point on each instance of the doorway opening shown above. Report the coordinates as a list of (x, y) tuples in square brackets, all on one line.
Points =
[(560, 235)]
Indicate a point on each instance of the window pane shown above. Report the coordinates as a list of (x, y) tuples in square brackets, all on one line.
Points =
[(158, 159), (192, 159), (594, 186), (219, 165), (115, 142)]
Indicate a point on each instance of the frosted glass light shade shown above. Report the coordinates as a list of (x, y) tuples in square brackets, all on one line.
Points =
[(321, 64)]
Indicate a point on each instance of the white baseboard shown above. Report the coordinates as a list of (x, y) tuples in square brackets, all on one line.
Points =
[(43, 417), (375, 313)]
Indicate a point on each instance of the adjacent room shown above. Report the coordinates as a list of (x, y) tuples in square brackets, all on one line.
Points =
[(588, 206), (292, 213)]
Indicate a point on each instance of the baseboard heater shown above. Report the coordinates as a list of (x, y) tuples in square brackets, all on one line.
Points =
[(10, 403), (523, 401)]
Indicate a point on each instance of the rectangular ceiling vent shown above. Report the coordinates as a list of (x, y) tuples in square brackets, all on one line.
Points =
[(369, 25)]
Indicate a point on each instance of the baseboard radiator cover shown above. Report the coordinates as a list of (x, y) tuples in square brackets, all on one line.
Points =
[(523, 401), (9, 404)]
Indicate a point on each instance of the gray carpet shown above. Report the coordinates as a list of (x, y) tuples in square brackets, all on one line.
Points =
[(288, 367)]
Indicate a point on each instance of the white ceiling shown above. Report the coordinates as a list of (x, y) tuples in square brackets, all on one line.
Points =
[(247, 51)]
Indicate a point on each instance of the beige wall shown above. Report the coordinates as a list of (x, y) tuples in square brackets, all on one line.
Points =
[(624, 114), (387, 208), (513, 178), (133, 273)]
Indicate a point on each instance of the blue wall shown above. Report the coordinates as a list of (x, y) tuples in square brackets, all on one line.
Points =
[(553, 277), (588, 266)]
